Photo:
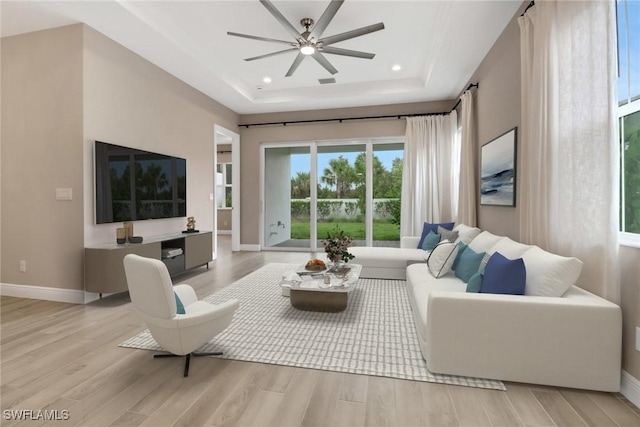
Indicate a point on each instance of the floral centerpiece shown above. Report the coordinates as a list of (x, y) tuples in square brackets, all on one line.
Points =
[(336, 246)]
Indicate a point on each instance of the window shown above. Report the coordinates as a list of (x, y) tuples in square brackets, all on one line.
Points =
[(223, 186), (628, 12)]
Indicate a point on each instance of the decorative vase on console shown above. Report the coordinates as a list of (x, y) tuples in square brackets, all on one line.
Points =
[(336, 246)]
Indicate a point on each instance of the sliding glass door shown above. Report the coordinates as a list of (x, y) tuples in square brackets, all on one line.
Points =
[(312, 188), (341, 192)]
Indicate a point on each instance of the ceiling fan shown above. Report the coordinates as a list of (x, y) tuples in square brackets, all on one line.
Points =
[(310, 42)]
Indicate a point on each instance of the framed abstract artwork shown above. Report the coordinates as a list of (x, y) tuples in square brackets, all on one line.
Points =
[(498, 171)]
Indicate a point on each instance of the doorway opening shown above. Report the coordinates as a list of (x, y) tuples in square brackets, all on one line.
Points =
[(226, 212)]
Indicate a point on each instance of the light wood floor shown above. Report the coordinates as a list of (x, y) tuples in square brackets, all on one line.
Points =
[(59, 356)]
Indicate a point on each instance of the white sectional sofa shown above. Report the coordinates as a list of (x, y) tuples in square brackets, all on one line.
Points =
[(571, 340), (388, 263), (392, 263)]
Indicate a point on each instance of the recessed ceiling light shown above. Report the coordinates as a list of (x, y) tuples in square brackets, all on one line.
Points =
[(396, 67), (267, 80)]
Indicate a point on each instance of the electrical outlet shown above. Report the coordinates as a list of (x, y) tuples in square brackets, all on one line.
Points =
[(225, 223), (23, 266), (637, 338)]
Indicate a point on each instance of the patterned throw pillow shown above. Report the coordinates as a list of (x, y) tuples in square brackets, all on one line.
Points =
[(441, 259)]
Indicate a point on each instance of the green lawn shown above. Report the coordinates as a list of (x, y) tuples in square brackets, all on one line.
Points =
[(381, 230)]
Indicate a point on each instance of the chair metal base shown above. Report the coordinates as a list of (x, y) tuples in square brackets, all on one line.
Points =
[(187, 358)]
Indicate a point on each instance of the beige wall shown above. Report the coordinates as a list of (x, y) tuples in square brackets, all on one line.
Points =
[(63, 89), (129, 101), (498, 110), (42, 151), (251, 138)]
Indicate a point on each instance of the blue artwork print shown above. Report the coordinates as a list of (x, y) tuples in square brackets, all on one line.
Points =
[(498, 171)]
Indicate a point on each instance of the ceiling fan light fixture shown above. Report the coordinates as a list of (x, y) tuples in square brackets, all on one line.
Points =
[(307, 49)]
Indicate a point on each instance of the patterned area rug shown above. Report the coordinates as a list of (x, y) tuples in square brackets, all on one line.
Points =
[(375, 335)]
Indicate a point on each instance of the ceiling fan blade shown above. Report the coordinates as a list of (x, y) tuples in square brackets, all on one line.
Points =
[(264, 39), (282, 20), (325, 19), (294, 66), (323, 61), (346, 52), (271, 54), (352, 34)]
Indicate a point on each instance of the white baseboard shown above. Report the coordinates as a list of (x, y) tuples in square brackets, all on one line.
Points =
[(630, 388), (225, 232), (250, 248), (42, 292)]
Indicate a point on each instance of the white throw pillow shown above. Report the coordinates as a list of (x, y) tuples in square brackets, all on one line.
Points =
[(465, 233), (549, 274), (484, 241), (441, 258)]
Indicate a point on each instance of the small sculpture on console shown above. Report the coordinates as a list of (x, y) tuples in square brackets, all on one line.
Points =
[(191, 224)]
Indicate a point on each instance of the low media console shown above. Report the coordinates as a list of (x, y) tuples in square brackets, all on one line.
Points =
[(104, 272)]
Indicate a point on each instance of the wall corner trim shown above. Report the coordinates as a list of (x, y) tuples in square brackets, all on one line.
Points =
[(630, 388), (72, 296)]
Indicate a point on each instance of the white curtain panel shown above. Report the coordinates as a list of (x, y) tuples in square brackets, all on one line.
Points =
[(468, 155), (569, 176), (429, 180)]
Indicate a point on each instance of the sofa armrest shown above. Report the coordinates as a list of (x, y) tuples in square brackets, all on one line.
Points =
[(409, 242), (572, 341)]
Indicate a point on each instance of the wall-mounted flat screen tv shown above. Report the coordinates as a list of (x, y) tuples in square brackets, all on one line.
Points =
[(134, 184)]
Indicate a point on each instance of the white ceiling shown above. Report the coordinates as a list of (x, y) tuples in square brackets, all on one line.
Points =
[(439, 45)]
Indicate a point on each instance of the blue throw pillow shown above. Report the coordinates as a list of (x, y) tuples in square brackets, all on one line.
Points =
[(180, 306), (468, 264), (426, 228), (475, 282), (431, 241), (504, 276), (461, 248)]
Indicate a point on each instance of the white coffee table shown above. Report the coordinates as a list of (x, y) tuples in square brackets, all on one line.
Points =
[(311, 293)]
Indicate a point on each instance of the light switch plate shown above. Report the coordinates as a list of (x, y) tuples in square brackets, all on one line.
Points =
[(64, 194)]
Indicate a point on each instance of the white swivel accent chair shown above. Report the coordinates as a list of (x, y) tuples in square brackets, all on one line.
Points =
[(152, 295)]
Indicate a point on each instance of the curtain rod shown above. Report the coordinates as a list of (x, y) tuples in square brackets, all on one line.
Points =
[(533, 3), (344, 119), (459, 99)]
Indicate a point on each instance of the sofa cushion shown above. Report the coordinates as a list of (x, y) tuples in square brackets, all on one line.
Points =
[(386, 257), (419, 284), (475, 282), (549, 274), (427, 227), (465, 233), (509, 248), (484, 241), (468, 264), (441, 258), (504, 276), (449, 235)]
